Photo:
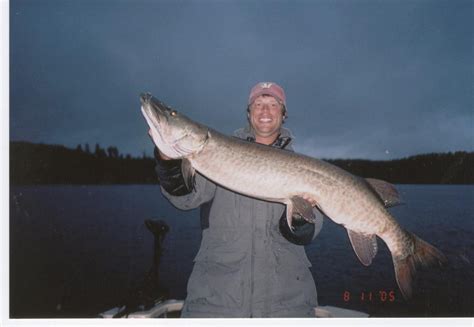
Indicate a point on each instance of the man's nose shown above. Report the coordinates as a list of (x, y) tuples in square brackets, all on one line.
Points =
[(265, 107)]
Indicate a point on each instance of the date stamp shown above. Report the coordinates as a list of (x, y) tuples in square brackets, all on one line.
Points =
[(381, 296)]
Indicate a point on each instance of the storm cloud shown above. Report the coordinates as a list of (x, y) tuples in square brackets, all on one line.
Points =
[(365, 79)]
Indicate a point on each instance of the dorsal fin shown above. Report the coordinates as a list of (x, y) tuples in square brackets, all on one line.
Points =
[(386, 191)]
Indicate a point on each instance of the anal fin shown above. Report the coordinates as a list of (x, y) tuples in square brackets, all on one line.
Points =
[(365, 246)]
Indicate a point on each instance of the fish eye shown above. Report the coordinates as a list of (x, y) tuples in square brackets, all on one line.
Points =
[(173, 113)]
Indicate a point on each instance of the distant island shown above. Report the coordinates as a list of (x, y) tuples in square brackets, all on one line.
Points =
[(37, 164)]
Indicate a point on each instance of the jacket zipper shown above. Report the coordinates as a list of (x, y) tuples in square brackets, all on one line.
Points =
[(252, 259)]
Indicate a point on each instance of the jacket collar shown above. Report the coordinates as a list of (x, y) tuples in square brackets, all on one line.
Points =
[(283, 141)]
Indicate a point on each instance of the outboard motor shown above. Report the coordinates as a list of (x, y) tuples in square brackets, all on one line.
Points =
[(149, 292)]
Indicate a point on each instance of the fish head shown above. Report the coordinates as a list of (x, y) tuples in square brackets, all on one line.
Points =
[(174, 134)]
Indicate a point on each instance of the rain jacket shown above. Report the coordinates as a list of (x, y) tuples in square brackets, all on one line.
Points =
[(245, 267)]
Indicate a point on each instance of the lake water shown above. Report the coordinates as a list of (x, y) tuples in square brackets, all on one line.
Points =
[(76, 250)]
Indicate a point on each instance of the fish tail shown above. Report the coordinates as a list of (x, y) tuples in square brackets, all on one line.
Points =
[(422, 254)]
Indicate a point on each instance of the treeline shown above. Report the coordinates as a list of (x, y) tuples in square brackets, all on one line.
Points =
[(32, 164), (55, 164), (432, 168)]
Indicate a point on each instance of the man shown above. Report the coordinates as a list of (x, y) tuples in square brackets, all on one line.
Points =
[(250, 263)]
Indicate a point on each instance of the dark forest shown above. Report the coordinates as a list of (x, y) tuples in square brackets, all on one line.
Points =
[(34, 164)]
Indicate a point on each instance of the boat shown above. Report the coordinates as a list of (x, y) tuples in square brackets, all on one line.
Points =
[(162, 309), (172, 309)]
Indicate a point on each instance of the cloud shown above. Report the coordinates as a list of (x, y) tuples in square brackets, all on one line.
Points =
[(371, 80)]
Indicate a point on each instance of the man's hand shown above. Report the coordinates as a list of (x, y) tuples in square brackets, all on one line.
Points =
[(154, 137)]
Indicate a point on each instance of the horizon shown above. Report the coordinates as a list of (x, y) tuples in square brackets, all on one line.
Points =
[(151, 156)]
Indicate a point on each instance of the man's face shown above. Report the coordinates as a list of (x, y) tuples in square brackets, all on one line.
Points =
[(266, 116)]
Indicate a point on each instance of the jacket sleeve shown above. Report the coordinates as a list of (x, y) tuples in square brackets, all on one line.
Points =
[(170, 175), (174, 188), (303, 232)]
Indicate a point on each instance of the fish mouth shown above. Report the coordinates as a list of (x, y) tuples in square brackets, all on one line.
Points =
[(145, 98), (156, 115), (150, 112), (148, 101)]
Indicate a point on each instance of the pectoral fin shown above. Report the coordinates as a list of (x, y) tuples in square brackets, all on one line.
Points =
[(386, 191), (365, 246), (188, 173)]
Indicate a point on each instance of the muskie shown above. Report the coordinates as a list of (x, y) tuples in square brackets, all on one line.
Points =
[(296, 180)]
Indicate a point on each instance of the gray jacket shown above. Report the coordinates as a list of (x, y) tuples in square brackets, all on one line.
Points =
[(245, 267)]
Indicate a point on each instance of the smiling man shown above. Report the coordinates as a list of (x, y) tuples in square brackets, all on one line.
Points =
[(250, 263), (266, 111)]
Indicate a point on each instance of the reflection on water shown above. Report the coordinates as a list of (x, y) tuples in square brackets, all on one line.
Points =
[(76, 250)]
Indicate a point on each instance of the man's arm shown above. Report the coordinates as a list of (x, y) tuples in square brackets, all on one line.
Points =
[(170, 175), (174, 187)]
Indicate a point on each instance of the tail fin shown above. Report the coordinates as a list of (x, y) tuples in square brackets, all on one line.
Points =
[(424, 255)]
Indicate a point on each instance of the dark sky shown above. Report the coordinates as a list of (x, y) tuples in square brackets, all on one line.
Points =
[(364, 79)]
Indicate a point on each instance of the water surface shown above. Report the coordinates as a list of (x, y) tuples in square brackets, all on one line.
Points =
[(76, 251)]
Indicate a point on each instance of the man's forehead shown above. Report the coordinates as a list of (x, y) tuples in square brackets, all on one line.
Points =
[(266, 97)]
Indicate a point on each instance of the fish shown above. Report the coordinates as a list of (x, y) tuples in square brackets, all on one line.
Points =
[(300, 182)]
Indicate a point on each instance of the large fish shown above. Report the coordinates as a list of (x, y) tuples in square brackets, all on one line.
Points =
[(296, 180)]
